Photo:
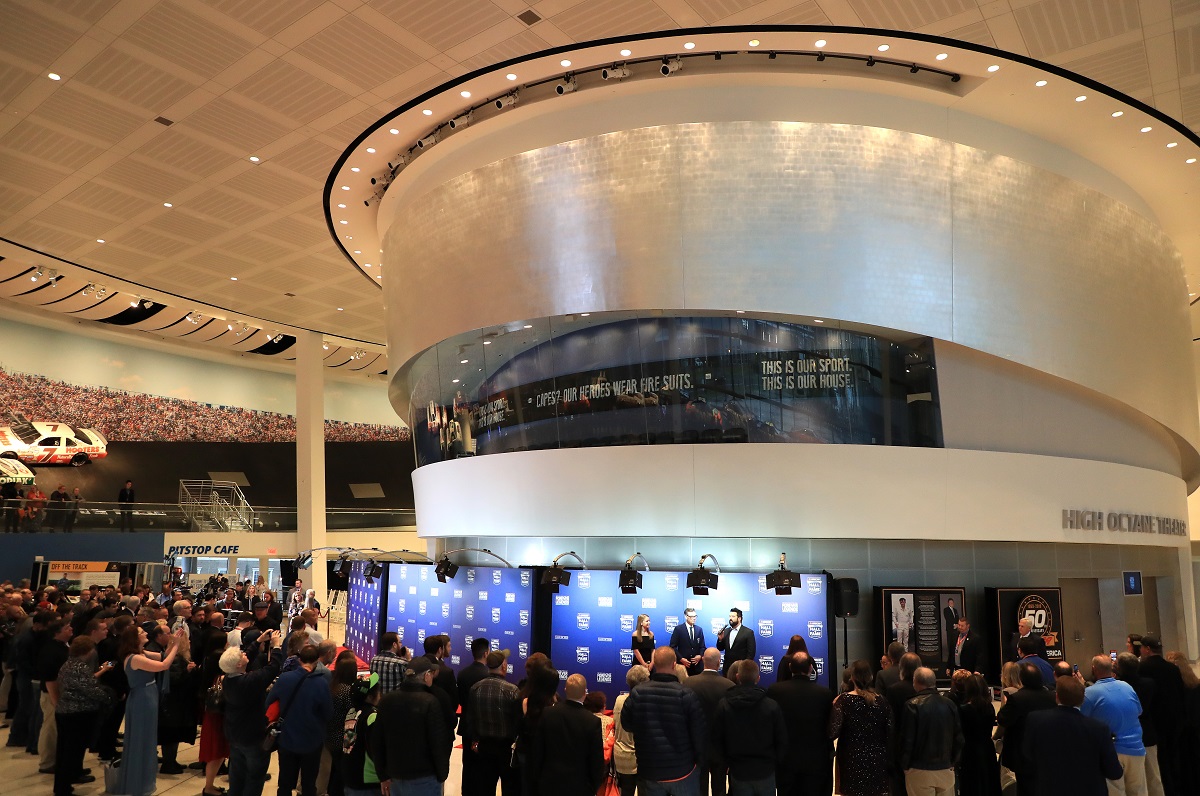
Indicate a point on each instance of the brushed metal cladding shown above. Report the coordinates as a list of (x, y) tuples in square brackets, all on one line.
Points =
[(864, 224)]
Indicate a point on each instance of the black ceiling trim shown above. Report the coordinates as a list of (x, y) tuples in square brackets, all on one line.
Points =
[(18, 276), (369, 364), (131, 315), (72, 294), (198, 328), (43, 286), (271, 348), (109, 297)]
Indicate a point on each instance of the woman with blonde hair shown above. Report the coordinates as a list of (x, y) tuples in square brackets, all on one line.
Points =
[(643, 641)]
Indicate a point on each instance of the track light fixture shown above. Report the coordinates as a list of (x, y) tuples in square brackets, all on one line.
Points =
[(870, 60), (556, 576), (615, 72), (343, 566), (374, 570), (428, 140), (566, 85), (101, 292), (88, 289), (507, 101), (783, 579), (672, 65), (445, 569), (914, 69), (460, 122), (820, 57), (325, 344), (630, 579), (700, 580), (37, 275)]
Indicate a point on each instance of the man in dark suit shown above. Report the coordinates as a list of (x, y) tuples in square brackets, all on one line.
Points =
[(1065, 751), (1166, 710), (437, 650), (891, 674), (966, 652), (709, 686), (468, 677), (808, 769), (567, 754), (897, 694), (736, 641), (688, 642), (1013, 718), (1025, 630), (950, 617)]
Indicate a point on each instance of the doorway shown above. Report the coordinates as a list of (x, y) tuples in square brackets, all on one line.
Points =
[(1081, 627)]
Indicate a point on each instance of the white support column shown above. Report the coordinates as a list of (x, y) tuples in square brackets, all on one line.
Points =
[(310, 457)]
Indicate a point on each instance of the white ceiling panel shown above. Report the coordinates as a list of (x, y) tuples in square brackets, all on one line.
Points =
[(442, 24), (604, 18), (1055, 26), (172, 32), (133, 80)]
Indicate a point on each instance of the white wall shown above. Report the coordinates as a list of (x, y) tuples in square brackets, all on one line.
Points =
[(78, 359)]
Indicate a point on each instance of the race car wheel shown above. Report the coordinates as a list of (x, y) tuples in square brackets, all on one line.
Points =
[(79, 459), (8, 455)]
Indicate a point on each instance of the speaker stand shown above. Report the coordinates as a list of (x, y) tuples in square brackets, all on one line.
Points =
[(845, 645)]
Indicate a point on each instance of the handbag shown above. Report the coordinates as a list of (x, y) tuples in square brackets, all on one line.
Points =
[(214, 700), (112, 777), (270, 741)]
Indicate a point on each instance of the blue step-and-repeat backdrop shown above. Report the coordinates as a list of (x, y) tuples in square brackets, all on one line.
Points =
[(592, 622), (364, 609)]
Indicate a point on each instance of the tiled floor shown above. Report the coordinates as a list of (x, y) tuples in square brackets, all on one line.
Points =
[(19, 774)]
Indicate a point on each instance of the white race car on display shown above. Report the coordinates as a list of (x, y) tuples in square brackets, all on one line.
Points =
[(40, 442)]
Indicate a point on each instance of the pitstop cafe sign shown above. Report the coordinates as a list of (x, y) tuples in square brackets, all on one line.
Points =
[(203, 550)]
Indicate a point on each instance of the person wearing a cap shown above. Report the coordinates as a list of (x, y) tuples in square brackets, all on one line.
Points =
[(1166, 709), (492, 723), (261, 619), (359, 775), (245, 720), (411, 740)]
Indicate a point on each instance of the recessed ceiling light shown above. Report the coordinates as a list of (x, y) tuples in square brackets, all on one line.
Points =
[(689, 45), (340, 309), (529, 326), (1040, 83), (1081, 98), (511, 76), (358, 251), (1190, 160), (254, 158), (380, 276), (366, 265), (754, 42), (994, 68), (342, 205), (626, 53), (941, 56), (1172, 145), (818, 320), (426, 111), (233, 279), (454, 381), (54, 76), (884, 48), (1117, 114), (740, 312), (349, 237), (394, 131), (343, 221), (355, 169), (584, 314), (464, 94), (463, 361), (564, 62), (371, 150), (99, 240), (820, 43), (345, 187), (1147, 129), (167, 204)]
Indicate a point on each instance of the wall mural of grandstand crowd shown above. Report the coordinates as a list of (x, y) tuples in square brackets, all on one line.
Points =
[(579, 381)]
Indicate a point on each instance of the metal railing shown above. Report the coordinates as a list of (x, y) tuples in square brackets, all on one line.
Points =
[(216, 505)]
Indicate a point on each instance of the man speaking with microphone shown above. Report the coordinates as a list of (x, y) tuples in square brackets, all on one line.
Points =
[(736, 641)]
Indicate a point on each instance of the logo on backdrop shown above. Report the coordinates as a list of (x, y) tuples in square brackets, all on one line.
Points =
[(766, 627), (585, 580), (583, 621), (671, 623), (627, 623), (1037, 611), (765, 664), (421, 608), (523, 649), (470, 613), (582, 654), (496, 577), (445, 610), (603, 677), (815, 629), (814, 585), (672, 582), (627, 658), (819, 665), (470, 576), (496, 615), (604, 602), (562, 599), (421, 635), (789, 608), (524, 617), (762, 583), (400, 605)]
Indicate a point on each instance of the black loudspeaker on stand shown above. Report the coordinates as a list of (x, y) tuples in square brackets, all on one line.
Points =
[(845, 604)]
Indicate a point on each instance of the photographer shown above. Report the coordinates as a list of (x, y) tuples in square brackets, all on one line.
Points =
[(245, 691)]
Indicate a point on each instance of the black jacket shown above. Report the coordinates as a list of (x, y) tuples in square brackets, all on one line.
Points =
[(1067, 752), (468, 677), (710, 687), (971, 657), (567, 754), (743, 647), (406, 741), (1011, 720), (245, 702), (1166, 708), (668, 723), (931, 736), (806, 707), (749, 735)]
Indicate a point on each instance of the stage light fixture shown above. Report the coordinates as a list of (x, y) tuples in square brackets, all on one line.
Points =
[(783, 579), (428, 140), (36, 276), (630, 579), (304, 560), (700, 580), (566, 85), (101, 292), (507, 101), (615, 72), (672, 65), (445, 569), (325, 344), (88, 289), (556, 576), (870, 60), (373, 571), (343, 567), (820, 57), (460, 122)]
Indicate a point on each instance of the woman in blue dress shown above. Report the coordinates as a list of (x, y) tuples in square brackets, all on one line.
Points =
[(139, 763)]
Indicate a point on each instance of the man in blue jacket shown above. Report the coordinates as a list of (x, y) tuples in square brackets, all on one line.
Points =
[(669, 726), (305, 705)]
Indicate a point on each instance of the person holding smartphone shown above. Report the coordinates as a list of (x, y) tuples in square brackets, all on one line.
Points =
[(245, 689)]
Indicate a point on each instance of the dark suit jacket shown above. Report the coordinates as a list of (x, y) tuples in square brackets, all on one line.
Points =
[(709, 687), (806, 707), (972, 653), (1010, 651), (1067, 752), (686, 648), (743, 647), (1011, 723), (1167, 707), (567, 752), (468, 677)]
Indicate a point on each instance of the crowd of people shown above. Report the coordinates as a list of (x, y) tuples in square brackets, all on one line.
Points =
[(123, 416), (244, 678)]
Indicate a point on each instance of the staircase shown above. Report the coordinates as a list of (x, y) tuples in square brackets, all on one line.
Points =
[(215, 506)]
